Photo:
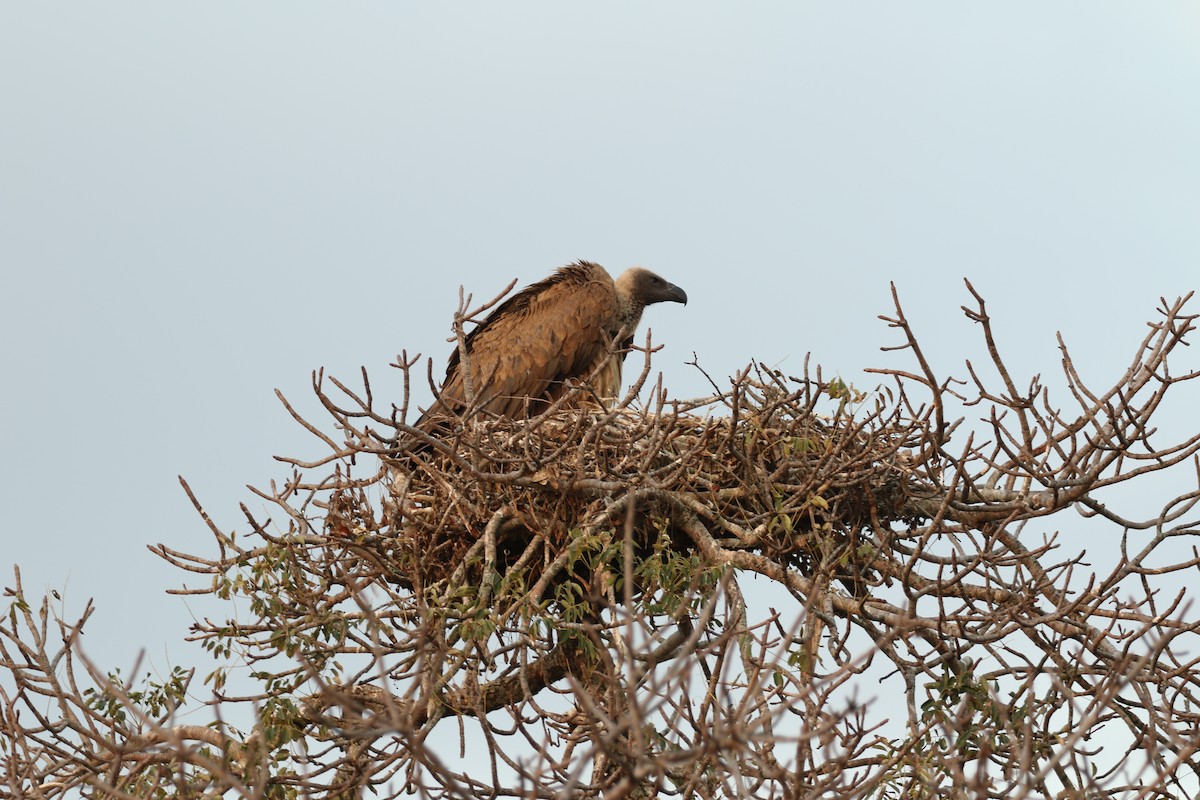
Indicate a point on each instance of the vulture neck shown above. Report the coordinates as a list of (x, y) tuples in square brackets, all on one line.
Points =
[(629, 306)]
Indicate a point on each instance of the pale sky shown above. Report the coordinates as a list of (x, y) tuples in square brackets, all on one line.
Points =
[(201, 203)]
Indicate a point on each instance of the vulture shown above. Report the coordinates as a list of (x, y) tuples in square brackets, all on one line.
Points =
[(574, 325)]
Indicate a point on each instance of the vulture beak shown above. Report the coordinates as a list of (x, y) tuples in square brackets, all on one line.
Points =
[(665, 292), (675, 294)]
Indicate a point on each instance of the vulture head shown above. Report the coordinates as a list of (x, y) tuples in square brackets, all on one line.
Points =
[(640, 288)]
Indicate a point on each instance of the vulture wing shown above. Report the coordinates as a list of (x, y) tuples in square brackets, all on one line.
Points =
[(524, 352)]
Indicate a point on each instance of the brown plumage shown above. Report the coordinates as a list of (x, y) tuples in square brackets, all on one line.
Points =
[(534, 345)]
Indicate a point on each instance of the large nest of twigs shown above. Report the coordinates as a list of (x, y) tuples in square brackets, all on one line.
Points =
[(761, 471)]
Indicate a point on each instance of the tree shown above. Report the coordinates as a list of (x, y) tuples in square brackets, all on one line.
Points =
[(559, 607)]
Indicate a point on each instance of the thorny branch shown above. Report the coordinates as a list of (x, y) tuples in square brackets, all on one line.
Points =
[(577, 605)]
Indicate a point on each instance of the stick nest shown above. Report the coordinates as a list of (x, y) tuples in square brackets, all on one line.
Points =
[(768, 475)]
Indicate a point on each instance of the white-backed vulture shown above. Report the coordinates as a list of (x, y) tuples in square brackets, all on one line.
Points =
[(526, 354)]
